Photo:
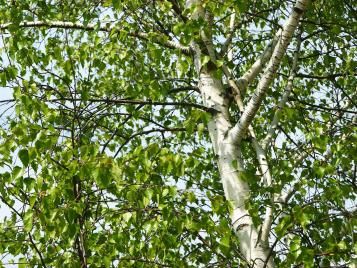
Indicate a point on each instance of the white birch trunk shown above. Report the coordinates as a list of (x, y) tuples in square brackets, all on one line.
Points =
[(229, 161), (225, 139), (230, 167)]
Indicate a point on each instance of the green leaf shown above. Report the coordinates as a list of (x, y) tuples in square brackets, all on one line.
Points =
[(17, 172), (116, 4), (24, 157), (95, 113), (127, 216), (205, 59), (225, 240), (22, 263), (28, 220), (219, 63)]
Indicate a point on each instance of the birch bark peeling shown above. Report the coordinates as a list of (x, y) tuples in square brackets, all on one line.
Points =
[(237, 132)]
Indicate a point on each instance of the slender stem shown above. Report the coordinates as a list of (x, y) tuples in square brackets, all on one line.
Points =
[(37, 250), (93, 27), (144, 133), (139, 102), (259, 64)]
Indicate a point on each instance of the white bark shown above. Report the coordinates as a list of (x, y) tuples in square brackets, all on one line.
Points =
[(226, 147), (258, 65), (226, 46), (261, 150), (262, 160), (242, 83), (284, 99), (267, 178), (237, 132), (231, 29), (230, 167)]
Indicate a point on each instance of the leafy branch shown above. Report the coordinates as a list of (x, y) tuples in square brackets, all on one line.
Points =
[(154, 37)]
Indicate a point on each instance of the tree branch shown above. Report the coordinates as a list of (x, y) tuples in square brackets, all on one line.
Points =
[(284, 99), (323, 108), (258, 66), (144, 102), (118, 128), (237, 132), (177, 9), (183, 88), (37, 250), (226, 47), (93, 27), (267, 178), (147, 132), (322, 77)]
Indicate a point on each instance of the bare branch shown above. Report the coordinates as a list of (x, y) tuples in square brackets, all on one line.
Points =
[(147, 132), (143, 102), (93, 27), (37, 250)]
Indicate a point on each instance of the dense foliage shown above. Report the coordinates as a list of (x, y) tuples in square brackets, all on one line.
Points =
[(105, 156)]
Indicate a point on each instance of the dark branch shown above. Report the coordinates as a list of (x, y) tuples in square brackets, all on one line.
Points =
[(147, 132), (37, 250), (141, 102), (323, 108), (177, 9), (93, 27)]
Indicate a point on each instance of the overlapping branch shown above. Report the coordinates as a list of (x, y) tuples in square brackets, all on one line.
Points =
[(237, 132)]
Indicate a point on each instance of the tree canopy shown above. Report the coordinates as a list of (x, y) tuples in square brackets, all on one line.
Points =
[(171, 133)]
